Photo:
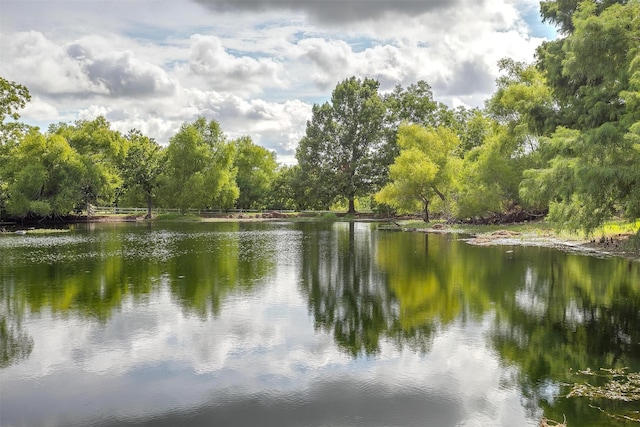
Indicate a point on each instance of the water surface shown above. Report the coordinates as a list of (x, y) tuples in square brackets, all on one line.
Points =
[(302, 324)]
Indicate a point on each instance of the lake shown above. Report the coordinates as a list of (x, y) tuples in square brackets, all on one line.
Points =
[(303, 324)]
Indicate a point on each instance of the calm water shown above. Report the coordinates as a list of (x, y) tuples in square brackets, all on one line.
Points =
[(300, 324)]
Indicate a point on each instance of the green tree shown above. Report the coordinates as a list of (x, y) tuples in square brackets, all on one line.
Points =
[(45, 176), (288, 190), (590, 171), (504, 142), (523, 103), (101, 149), (256, 169), (490, 177), (472, 126), (341, 154), (411, 105), (13, 97), (142, 167), (425, 168), (561, 12), (199, 172)]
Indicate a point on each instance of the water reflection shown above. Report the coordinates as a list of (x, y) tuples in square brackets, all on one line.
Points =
[(346, 293), (302, 324)]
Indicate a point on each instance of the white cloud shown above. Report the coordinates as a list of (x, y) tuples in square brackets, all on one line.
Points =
[(256, 66), (223, 71), (38, 109), (45, 67)]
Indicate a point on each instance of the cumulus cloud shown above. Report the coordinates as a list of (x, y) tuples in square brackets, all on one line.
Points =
[(210, 60), (80, 69), (124, 75), (256, 66), (45, 67)]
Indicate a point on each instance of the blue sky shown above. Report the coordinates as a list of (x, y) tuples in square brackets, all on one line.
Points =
[(256, 66)]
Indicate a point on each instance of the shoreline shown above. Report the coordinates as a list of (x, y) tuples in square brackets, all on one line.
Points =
[(613, 246)]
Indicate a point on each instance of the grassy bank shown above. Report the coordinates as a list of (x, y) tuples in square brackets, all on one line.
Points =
[(618, 238)]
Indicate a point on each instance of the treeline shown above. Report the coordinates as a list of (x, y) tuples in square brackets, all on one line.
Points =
[(73, 165), (561, 135)]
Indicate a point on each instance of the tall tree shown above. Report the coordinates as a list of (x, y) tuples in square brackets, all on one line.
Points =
[(591, 170), (504, 142), (13, 97), (256, 169), (199, 172), (411, 105), (142, 166), (425, 168), (341, 154)]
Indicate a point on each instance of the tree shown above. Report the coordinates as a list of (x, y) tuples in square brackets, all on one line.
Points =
[(142, 167), (284, 193), (523, 103), (424, 169), (590, 171), (504, 142), (341, 154), (411, 105), (45, 176), (101, 150), (256, 170), (199, 171), (13, 97), (491, 175), (561, 12)]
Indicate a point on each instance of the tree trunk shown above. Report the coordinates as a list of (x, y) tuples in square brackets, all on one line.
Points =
[(352, 205), (426, 212), (148, 216)]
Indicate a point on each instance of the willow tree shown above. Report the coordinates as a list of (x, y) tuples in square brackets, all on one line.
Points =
[(341, 154), (101, 150), (199, 171), (256, 170), (425, 169), (44, 176)]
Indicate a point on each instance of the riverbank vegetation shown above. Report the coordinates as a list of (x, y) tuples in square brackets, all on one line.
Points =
[(560, 139)]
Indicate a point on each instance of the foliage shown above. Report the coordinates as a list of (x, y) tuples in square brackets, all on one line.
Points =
[(424, 169), (590, 171), (13, 97), (287, 191), (44, 176), (101, 150), (141, 168), (199, 171), (341, 153), (256, 170)]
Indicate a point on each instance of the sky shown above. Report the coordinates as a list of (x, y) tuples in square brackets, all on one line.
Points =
[(255, 66)]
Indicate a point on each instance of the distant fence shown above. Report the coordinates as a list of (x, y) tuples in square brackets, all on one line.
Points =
[(115, 210)]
